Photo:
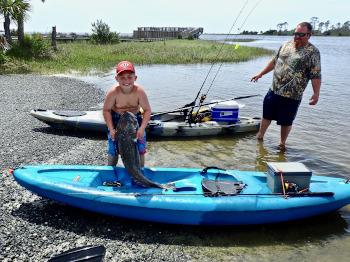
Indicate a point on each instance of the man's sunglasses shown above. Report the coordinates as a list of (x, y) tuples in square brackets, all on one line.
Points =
[(300, 34)]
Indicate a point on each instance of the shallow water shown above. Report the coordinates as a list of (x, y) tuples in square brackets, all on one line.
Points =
[(319, 139)]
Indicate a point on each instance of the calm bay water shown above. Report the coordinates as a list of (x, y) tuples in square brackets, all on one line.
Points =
[(319, 138)]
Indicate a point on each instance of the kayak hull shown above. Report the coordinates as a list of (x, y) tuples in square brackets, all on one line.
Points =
[(83, 187), (171, 124)]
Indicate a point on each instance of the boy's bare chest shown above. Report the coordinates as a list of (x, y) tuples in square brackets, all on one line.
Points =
[(126, 101)]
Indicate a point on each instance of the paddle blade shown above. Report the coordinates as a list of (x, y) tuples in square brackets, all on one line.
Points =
[(87, 253)]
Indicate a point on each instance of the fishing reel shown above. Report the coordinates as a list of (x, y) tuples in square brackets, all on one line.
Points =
[(291, 187), (202, 116), (203, 97)]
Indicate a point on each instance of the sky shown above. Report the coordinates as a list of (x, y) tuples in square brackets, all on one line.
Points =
[(215, 16)]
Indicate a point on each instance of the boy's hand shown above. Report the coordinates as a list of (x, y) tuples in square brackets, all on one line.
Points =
[(112, 134), (140, 133)]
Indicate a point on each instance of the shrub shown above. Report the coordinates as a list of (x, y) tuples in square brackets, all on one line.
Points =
[(3, 58), (190, 37), (179, 36), (34, 46), (102, 35)]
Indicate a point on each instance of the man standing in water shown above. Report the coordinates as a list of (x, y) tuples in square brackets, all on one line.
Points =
[(296, 62)]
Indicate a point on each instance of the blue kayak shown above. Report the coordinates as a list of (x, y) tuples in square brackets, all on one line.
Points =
[(201, 197)]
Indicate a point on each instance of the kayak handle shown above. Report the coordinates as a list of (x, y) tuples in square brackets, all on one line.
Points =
[(204, 171)]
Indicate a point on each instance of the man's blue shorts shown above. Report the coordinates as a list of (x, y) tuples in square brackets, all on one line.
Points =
[(279, 108), (113, 145)]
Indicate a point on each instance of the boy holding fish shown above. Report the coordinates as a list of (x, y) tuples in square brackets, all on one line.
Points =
[(122, 97)]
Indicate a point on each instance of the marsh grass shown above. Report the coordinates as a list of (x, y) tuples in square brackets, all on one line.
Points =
[(85, 58)]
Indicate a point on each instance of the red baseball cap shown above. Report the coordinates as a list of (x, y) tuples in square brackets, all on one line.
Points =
[(125, 66)]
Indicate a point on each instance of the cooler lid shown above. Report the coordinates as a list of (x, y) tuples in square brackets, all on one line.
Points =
[(226, 105), (292, 167)]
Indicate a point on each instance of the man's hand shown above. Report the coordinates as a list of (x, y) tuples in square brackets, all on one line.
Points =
[(314, 99), (255, 78)]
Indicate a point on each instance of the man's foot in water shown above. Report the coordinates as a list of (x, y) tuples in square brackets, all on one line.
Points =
[(282, 147), (259, 136)]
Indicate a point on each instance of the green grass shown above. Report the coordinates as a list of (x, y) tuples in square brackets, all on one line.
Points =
[(85, 58)]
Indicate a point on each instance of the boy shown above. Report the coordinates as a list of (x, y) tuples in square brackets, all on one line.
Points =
[(125, 96)]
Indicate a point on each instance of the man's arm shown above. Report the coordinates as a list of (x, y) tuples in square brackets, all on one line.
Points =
[(316, 85), (269, 67)]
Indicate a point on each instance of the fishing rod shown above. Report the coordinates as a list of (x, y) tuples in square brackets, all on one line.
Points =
[(205, 95), (210, 103), (293, 194), (239, 29), (216, 58)]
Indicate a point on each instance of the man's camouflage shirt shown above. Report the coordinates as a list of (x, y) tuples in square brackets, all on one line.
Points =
[(294, 67)]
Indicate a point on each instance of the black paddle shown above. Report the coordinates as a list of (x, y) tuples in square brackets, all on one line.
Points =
[(190, 107), (87, 253)]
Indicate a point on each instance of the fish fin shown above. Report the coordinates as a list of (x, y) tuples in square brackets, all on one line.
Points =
[(169, 186)]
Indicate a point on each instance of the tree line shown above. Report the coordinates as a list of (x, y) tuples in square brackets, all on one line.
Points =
[(319, 28)]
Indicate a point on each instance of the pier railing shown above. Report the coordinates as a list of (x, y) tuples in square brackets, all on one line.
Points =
[(166, 32)]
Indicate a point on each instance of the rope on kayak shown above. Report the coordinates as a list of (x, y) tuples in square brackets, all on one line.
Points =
[(283, 186), (304, 189), (286, 196)]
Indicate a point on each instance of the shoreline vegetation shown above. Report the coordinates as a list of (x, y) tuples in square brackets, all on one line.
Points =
[(84, 58)]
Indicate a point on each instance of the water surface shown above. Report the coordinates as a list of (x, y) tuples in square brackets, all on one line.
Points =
[(319, 138)]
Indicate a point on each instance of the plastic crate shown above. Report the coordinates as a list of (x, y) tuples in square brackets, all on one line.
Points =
[(293, 172)]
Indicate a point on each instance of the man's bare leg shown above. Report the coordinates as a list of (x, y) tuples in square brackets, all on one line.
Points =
[(142, 160), (112, 160), (265, 123), (285, 130)]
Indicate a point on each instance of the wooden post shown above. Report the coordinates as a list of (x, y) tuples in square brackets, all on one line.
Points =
[(53, 38)]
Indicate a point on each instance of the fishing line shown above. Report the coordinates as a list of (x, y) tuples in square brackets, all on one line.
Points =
[(227, 52), (216, 58)]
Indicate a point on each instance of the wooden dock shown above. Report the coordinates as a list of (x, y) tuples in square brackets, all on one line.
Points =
[(166, 32), (142, 34)]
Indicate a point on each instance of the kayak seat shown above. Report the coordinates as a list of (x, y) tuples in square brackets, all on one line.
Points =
[(213, 188), (69, 113)]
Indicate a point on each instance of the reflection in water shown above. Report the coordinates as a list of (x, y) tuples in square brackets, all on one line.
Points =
[(306, 238), (240, 152), (316, 229), (266, 154)]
